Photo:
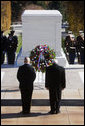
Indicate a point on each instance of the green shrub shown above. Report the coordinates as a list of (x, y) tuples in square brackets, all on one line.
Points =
[(19, 43)]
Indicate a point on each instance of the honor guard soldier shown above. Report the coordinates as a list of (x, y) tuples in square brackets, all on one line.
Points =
[(12, 46), (3, 47), (80, 48), (72, 49), (66, 45)]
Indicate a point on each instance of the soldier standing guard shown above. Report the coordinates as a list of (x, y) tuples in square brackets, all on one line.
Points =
[(12, 46), (66, 44), (72, 49), (80, 49), (3, 47)]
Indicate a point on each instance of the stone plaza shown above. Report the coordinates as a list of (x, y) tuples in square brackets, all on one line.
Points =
[(72, 103)]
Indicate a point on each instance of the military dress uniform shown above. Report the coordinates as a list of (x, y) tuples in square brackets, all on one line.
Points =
[(80, 49), (72, 51), (66, 45), (55, 82), (3, 47), (82, 52), (26, 76), (11, 50)]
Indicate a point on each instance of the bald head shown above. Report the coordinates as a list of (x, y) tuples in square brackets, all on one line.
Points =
[(27, 60)]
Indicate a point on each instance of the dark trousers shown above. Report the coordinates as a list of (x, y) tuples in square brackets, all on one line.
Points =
[(71, 57), (82, 56), (2, 57), (55, 98), (78, 56), (26, 95), (11, 57)]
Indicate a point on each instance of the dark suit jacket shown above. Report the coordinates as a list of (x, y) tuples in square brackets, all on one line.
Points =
[(26, 75), (55, 77)]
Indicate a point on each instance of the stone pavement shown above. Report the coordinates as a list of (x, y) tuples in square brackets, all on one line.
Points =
[(72, 104)]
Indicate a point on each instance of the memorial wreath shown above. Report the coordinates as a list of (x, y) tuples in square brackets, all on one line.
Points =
[(42, 56)]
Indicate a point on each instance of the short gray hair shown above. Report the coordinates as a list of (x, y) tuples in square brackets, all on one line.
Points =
[(26, 60)]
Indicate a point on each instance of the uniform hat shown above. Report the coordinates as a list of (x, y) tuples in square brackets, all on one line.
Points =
[(69, 32), (82, 34), (81, 31), (12, 32)]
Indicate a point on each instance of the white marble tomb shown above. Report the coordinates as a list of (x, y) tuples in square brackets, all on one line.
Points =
[(41, 27)]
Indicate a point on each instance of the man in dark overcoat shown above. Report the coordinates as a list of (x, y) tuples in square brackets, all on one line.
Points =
[(55, 82), (26, 76)]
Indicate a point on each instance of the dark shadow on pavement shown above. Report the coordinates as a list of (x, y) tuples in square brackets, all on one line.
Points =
[(42, 102), (19, 115), (9, 90)]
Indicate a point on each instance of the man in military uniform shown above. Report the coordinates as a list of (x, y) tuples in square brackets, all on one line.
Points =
[(55, 82), (72, 49), (3, 47), (12, 46), (26, 76), (66, 45), (80, 48)]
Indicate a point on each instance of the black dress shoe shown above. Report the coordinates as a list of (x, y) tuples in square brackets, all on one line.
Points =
[(52, 112), (57, 111), (25, 112)]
